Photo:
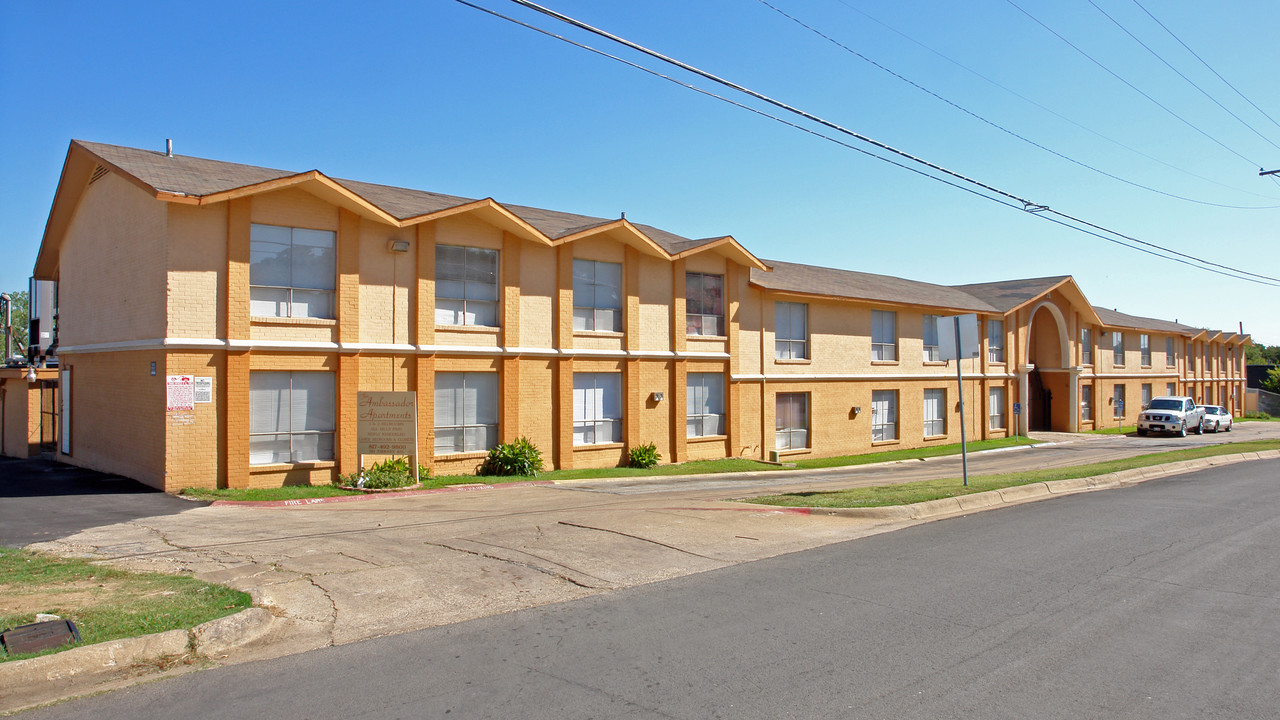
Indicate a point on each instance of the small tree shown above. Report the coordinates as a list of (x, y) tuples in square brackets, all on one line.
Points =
[(1271, 383), (21, 324)]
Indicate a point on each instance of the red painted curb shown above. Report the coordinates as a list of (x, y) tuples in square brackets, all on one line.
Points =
[(304, 502)]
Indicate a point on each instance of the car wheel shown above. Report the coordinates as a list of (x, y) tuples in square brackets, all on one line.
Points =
[(1182, 430), (1229, 427), (1142, 432), (1199, 428)]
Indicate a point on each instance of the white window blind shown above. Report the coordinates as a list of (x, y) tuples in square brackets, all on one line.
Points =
[(466, 286), (466, 412), (597, 408), (704, 404), (292, 271), (291, 417), (597, 296), (791, 330)]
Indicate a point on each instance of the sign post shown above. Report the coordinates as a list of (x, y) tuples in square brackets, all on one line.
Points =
[(958, 340)]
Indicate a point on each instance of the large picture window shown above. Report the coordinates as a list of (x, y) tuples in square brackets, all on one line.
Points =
[(704, 404), (884, 335), (791, 422), (935, 412), (884, 415), (466, 412), (466, 286), (929, 331), (597, 296), (292, 271), (597, 408), (291, 417), (791, 330)]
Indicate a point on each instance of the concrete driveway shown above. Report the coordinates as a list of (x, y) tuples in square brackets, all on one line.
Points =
[(340, 572)]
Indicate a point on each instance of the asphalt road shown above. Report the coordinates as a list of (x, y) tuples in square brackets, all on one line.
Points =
[(1153, 601), (42, 500)]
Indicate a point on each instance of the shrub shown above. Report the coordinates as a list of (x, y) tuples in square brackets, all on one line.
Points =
[(514, 458), (644, 456), (392, 473)]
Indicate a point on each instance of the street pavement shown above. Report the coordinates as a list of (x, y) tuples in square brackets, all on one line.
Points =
[(1155, 601), (342, 572)]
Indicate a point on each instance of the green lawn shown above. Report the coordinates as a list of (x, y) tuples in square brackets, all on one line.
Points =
[(696, 467), (922, 491), (105, 603), (1123, 430)]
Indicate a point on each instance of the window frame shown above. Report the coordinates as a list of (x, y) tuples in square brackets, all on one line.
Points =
[(930, 353), (884, 415), (996, 417), (597, 383), (884, 348), (580, 304), (935, 423), (791, 431), (491, 381), (698, 299), (465, 283), (256, 246), (787, 346), (995, 341), (288, 405), (698, 384)]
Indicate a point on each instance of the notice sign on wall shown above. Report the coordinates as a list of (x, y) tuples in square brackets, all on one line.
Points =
[(203, 387), (387, 423), (180, 392)]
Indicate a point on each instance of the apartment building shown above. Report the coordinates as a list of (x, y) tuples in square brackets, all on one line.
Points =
[(273, 297)]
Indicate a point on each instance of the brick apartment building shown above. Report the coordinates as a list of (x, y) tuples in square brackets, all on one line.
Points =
[(287, 293)]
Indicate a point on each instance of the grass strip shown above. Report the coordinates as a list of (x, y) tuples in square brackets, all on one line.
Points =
[(925, 490), (105, 603), (694, 467)]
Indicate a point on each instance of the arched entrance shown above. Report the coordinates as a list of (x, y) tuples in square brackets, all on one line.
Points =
[(1048, 403)]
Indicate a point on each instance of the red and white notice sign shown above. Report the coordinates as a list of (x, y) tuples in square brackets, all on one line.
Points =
[(180, 392)]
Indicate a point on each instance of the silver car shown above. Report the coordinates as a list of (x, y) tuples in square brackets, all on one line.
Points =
[(1216, 418)]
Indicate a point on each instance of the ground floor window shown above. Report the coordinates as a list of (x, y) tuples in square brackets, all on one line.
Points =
[(704, 404), (466, 408), (1086, 402), (935, 412), (597, 408), (1171, 389), (995, 408), (884, 415), (1117, 402), (792, 421), (291, 417), (1146, 395)]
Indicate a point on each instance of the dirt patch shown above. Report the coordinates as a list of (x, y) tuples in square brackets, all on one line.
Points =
[(62, 597)]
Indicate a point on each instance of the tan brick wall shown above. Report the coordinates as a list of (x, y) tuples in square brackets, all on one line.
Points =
[(195, 440), (197, 258), (118, 414), (21, 410), (386, 282), (119, 227)]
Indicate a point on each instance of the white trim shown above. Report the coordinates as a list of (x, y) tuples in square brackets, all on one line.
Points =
[(380, 347), (779, 377)]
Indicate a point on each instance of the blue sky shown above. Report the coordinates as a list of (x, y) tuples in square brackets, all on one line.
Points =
[(437, 96)]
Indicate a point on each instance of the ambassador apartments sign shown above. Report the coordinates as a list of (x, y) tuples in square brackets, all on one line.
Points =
[(387, 423)]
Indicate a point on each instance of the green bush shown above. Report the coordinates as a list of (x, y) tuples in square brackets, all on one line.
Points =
[(644, 456), (514, 458), (392, 473)]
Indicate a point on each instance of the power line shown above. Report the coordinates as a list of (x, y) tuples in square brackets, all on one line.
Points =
[(1027, 205), (1207, 65), (1131, 86), (1184, 77), (996, 125), (1049, 110)]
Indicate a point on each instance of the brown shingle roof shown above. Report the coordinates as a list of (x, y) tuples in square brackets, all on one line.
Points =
[(182, 174), (1118, 319), (1009, 294), (815, 280)]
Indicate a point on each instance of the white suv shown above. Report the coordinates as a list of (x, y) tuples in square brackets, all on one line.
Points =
[(1171, 415)]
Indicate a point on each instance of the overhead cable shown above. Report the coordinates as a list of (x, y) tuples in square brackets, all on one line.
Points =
[(998, 126), (999, 196), (1131, 86)]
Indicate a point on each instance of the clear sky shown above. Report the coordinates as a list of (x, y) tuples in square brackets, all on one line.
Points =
[(437, 96)]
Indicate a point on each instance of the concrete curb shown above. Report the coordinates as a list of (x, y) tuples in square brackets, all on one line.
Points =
[(304, 502), (1031, 492), (85, 669)]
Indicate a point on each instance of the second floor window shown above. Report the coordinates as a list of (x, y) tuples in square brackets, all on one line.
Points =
[(292, 271), (704, 304), (1086, 346), (884, 335), (597, 296), (1117, 348), (929, 331), (995, 341), (1144, 344), (1169, 358), (791, 330), (466, 286)]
